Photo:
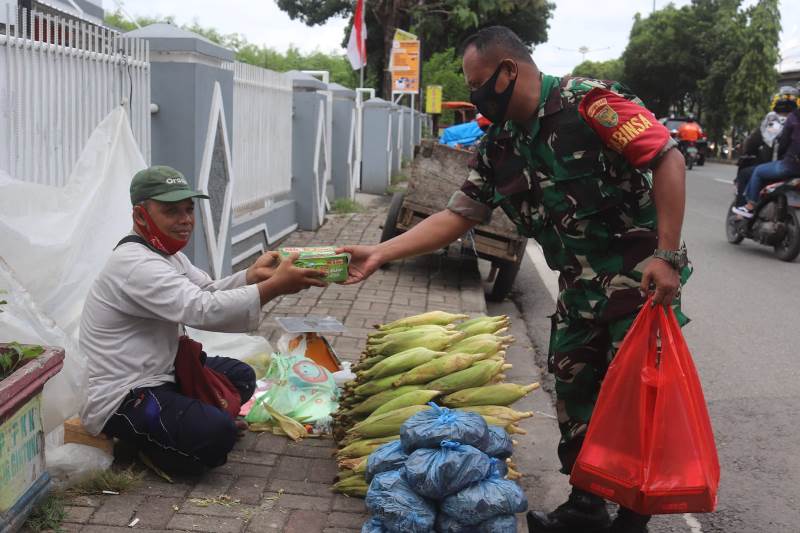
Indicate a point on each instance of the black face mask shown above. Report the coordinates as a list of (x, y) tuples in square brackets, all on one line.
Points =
[(490, 103)]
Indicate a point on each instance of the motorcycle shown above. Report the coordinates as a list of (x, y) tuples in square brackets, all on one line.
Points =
[(775, 222), (691, 154)]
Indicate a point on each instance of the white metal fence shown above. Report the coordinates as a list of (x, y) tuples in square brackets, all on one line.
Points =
[(262, 136), (58, 80)]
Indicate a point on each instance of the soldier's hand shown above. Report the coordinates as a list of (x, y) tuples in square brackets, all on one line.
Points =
[(660, 280), (364, 261)]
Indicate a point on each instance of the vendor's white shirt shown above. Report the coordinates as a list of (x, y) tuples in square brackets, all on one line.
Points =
[(132, 320)]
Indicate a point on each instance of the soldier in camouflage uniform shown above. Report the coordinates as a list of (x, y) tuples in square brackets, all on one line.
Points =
[(584, 168)]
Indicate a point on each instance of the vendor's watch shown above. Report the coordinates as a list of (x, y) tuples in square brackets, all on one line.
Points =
[(677, 259)]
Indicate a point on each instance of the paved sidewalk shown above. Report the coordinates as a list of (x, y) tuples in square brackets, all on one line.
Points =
[(271, 484)]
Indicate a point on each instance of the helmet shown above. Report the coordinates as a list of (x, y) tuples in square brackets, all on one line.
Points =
[(784, 106), (789, 92), (690, 117)]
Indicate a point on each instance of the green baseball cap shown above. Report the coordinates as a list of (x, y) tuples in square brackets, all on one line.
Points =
[(161, 183)]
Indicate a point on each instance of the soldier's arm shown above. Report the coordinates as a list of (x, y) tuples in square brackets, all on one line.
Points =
[(468, 207), (436, 231), (669, 194)]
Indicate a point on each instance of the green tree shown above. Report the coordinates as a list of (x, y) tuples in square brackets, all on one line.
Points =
[(440, 24), (711, 57), (601, 70), (293, 59), (444, 68), (753, 82), (662, 63)]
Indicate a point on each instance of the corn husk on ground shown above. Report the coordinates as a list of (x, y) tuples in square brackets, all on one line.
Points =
[(450, 359)]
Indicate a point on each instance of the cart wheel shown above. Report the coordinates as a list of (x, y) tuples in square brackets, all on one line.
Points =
[(506, 274), (390, 225)]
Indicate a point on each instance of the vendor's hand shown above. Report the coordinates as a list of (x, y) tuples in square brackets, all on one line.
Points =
[(289, 279), (364, 261), (664, 278), (263, 268)]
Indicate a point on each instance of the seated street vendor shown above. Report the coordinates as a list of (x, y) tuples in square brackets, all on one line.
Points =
[(133, 320)]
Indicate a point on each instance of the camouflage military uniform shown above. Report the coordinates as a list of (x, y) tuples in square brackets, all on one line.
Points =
[(579, 182)]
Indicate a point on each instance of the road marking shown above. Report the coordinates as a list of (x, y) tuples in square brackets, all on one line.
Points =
[(548, 277), (726, 182), (694, 525)]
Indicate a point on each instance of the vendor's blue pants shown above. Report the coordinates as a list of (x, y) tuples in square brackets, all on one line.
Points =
[(181, 434)]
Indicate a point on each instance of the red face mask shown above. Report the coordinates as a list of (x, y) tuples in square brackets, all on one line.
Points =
[(157, 238)]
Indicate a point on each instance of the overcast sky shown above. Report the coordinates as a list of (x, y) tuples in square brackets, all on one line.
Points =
[(575, 23)]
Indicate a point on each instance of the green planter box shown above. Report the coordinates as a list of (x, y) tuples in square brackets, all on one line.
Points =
[(23, 478)]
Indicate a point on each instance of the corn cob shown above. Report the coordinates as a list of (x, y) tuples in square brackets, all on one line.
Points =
[(419, 397), (500, 394), (513, 429), (474, 376), (483, 327), (352, 486), (497, 378), (409, 333), (513, 475), (500, 355), (433, 317), (344, 473), (351, 463), (433, 340), (385, 424), (364, 447), (368, 362), (400, 362), (487, 344), (498, 411), (381, 334), (437, 368), (369, 405), (375, 386), (475, 320)]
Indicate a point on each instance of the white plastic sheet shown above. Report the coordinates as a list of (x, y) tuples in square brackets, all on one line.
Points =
[(56, 240)]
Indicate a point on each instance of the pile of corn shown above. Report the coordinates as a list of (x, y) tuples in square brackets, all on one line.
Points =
[(446, 358)]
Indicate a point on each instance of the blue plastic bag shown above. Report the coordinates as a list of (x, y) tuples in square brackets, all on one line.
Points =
[(390, 456), (494, 496), (464, 134), (498, 524), (439, 472), (373, 525), (498, 443), (428, 429), (400, 509)]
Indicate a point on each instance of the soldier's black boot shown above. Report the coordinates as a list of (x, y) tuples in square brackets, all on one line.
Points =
[(629, 522), (581, 513)]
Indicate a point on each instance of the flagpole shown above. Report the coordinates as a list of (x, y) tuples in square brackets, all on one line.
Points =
[(362, 76)]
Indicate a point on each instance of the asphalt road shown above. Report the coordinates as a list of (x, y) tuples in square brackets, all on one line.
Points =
[(745, 339)]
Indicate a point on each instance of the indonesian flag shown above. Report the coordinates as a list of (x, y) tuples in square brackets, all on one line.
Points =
[(357, 45)]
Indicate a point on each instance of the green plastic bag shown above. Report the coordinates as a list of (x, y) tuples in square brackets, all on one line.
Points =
[(298, 388)]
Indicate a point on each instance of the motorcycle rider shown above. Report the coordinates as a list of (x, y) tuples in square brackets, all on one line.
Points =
[(761, 146), (786, 166)]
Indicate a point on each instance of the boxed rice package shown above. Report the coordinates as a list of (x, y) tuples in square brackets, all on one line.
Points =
[(322, 258)]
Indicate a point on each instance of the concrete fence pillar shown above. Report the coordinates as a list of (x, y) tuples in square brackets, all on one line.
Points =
[(377, 146), (309, 162), (192, 131), (344, 148), (397, 139)]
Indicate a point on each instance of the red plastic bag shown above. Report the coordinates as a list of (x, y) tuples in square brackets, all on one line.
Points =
[(649, 446), (197, 381)]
